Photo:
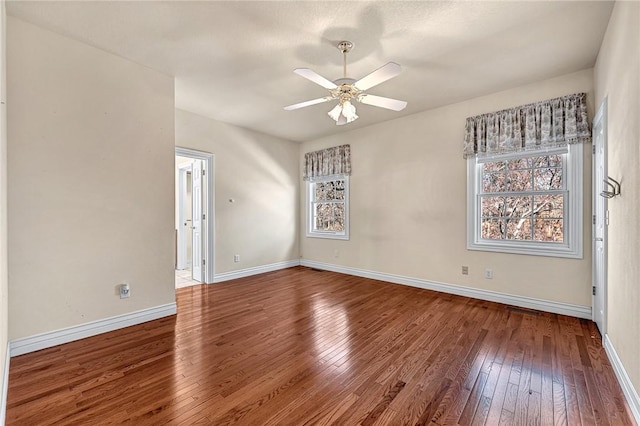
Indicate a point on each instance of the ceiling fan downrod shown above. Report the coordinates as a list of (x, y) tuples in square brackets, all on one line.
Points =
[(345, 47), (345, 90)]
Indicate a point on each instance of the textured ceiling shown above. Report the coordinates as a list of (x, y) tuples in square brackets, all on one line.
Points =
[(233, 61)]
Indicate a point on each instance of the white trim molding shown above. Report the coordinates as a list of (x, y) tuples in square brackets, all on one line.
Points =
[(623, 378), (5, 388), (492, 296), (57, 337), (241, 273)]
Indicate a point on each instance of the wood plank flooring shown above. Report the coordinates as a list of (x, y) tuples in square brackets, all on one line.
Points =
[(307, 347)]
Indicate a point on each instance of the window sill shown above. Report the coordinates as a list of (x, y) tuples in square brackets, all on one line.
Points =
[(531, 250), (328, 236)]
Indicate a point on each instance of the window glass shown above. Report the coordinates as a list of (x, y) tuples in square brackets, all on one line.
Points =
[(523, 204), (328, 208)]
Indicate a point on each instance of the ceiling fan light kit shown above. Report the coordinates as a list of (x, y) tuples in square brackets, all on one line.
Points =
[(346, 90), (343, 113)]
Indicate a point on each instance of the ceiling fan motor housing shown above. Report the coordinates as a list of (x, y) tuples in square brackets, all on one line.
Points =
[(344, 81), (346, 89)]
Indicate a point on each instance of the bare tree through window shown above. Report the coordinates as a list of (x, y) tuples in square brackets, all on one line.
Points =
[(328, 205), (523, 199)]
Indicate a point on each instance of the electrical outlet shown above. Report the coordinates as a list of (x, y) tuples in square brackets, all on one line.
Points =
[(465, 270), (125, 291), (488, 274), (336, 253), (236, 258)]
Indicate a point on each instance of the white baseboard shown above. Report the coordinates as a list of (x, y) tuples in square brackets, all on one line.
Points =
[(77, 332), (492, 296), (5, 388), (623, 378), (241, 273)]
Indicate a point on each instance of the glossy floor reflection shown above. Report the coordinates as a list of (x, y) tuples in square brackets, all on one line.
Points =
[(306, 347)]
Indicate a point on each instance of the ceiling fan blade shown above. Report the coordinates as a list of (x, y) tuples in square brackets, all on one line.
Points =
[(308, 103), (382, 102), (380, 75), (315, 77)]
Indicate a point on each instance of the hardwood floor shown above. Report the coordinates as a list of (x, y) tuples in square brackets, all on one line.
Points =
[(307, 347)]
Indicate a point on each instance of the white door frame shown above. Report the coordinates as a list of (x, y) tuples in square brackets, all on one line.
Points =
[(181, 256), (207, 208), (600, 238), (197, 221)]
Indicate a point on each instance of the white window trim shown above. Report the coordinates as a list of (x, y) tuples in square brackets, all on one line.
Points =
[(573, 214), (328, 234)]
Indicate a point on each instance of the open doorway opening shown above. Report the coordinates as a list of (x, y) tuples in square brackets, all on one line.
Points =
[(194, 217)]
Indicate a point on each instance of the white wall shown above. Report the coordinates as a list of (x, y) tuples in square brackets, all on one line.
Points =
[(188, 205), (91, 191), (408, 203), (260, 174), (617, 77)]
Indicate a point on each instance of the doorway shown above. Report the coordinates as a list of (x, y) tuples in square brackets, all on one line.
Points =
[(183, 213), (194, 217), (600, 218)]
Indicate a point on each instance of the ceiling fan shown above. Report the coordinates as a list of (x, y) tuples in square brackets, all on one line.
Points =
[(346, 89)]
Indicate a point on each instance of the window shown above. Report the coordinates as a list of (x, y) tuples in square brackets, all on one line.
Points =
[(527, 203), (328, 208)]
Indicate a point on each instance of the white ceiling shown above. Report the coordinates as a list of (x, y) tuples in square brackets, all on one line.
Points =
[(233, 60)]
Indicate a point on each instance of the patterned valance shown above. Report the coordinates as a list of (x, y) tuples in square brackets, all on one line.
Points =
[(538, 126), (334, 161)]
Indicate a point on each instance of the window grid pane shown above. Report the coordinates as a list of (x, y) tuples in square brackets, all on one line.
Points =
[(523, 199), (328, 216), (328, 206)]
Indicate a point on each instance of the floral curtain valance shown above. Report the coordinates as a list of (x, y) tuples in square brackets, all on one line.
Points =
[(541, 125), (334, 161)]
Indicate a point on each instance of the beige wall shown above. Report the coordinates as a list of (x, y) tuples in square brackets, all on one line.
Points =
[(617, 77), (4, 304), (408, 203), (260, 173), (91, 191)]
